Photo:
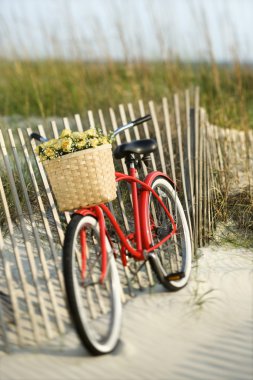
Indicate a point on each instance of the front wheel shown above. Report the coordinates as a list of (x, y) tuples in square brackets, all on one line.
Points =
[(95, 307), (172, 261)]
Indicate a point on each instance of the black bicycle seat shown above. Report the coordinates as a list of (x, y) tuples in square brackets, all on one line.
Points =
[(144, 146)]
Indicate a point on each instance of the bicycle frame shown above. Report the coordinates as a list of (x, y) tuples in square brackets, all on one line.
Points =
[(141, 236)]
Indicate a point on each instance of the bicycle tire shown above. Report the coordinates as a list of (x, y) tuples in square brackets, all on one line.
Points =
[(172, 261), (95, 308)]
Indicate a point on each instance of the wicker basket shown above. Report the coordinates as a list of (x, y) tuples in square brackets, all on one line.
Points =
[(83, 178)]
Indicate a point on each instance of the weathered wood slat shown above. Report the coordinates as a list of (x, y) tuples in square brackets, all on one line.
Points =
[(189, 173), (38, 244), (158, 135), (29, 248), (118, 138), (56, 135), (20, 269), (91, 119), (146, 131), (52, 203), (11, 292), (181, 156), (200, 176), (55, 129), (169, 138), (48, 230), (205, 231), (196, 165), (79, 124), (65, 123), (102, 122)]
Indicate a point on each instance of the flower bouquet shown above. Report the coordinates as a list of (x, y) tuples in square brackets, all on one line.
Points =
[(80, 168)]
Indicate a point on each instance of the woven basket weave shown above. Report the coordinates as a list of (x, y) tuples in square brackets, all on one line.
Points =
[(83, 178)]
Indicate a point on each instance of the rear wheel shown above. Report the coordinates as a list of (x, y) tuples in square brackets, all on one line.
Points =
[(95, 308), (172, 261)]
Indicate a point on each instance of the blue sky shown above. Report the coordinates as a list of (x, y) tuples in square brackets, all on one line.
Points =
[(118, 29)]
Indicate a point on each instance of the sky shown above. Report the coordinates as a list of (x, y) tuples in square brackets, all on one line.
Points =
[(127, 29)]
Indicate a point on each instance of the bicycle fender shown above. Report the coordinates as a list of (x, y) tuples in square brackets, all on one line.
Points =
[(152, 176), (98, 214), (85, 212), (143, 206)]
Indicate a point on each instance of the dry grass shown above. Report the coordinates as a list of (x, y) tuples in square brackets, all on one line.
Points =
[(46, 88)]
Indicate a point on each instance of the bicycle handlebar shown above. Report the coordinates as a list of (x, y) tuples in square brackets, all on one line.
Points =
[(142, 119), (38, 137), (131, 124)]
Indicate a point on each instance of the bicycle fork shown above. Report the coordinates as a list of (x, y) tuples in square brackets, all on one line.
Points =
[(98, 213)]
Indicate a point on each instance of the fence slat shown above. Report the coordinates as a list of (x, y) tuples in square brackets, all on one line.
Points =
[(56, 135), (136, 134), (20, 268), (118, 138), (28, 246), (169, 137), (146, 131), (200, 178), (40, 250), (47, 187), (196, 164), (189, 173), (42, 209), (91, 119), (54, 129), (158, 135), (102, 122), (11, 290), (181, 156), (79, 124)]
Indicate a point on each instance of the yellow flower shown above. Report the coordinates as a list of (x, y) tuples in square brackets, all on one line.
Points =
[(57, 144), (76, 136), (52, 142), (80, 144), (103, 140), (65, 133), (90, 133), (94, 142), (66, 144), (49, 152)]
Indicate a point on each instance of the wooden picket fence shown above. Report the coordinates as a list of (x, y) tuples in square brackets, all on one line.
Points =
[(32, 297)]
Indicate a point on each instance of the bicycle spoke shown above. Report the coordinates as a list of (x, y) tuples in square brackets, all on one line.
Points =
[(170, 253)]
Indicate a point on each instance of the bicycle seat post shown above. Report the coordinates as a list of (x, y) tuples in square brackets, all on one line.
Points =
[(131, 162)]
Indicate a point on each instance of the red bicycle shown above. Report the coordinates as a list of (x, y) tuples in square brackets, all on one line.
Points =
[(160, 235)]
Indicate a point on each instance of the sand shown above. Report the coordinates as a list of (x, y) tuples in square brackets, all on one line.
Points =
[(204, 331)]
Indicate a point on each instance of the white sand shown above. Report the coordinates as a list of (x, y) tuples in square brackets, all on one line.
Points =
[(204, 331)]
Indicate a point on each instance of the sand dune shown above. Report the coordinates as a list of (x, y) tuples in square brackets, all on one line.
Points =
[(204, 331)]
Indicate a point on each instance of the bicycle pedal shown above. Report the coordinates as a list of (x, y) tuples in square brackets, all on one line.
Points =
[(175, 276)]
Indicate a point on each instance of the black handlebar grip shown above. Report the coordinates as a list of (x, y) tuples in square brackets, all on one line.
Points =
[(141, 120), (38, 137)]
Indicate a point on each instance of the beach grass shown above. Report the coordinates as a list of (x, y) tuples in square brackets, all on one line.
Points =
[(56, 87)]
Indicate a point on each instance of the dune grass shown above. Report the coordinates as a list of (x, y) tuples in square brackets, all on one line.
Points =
[(55, 87)]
